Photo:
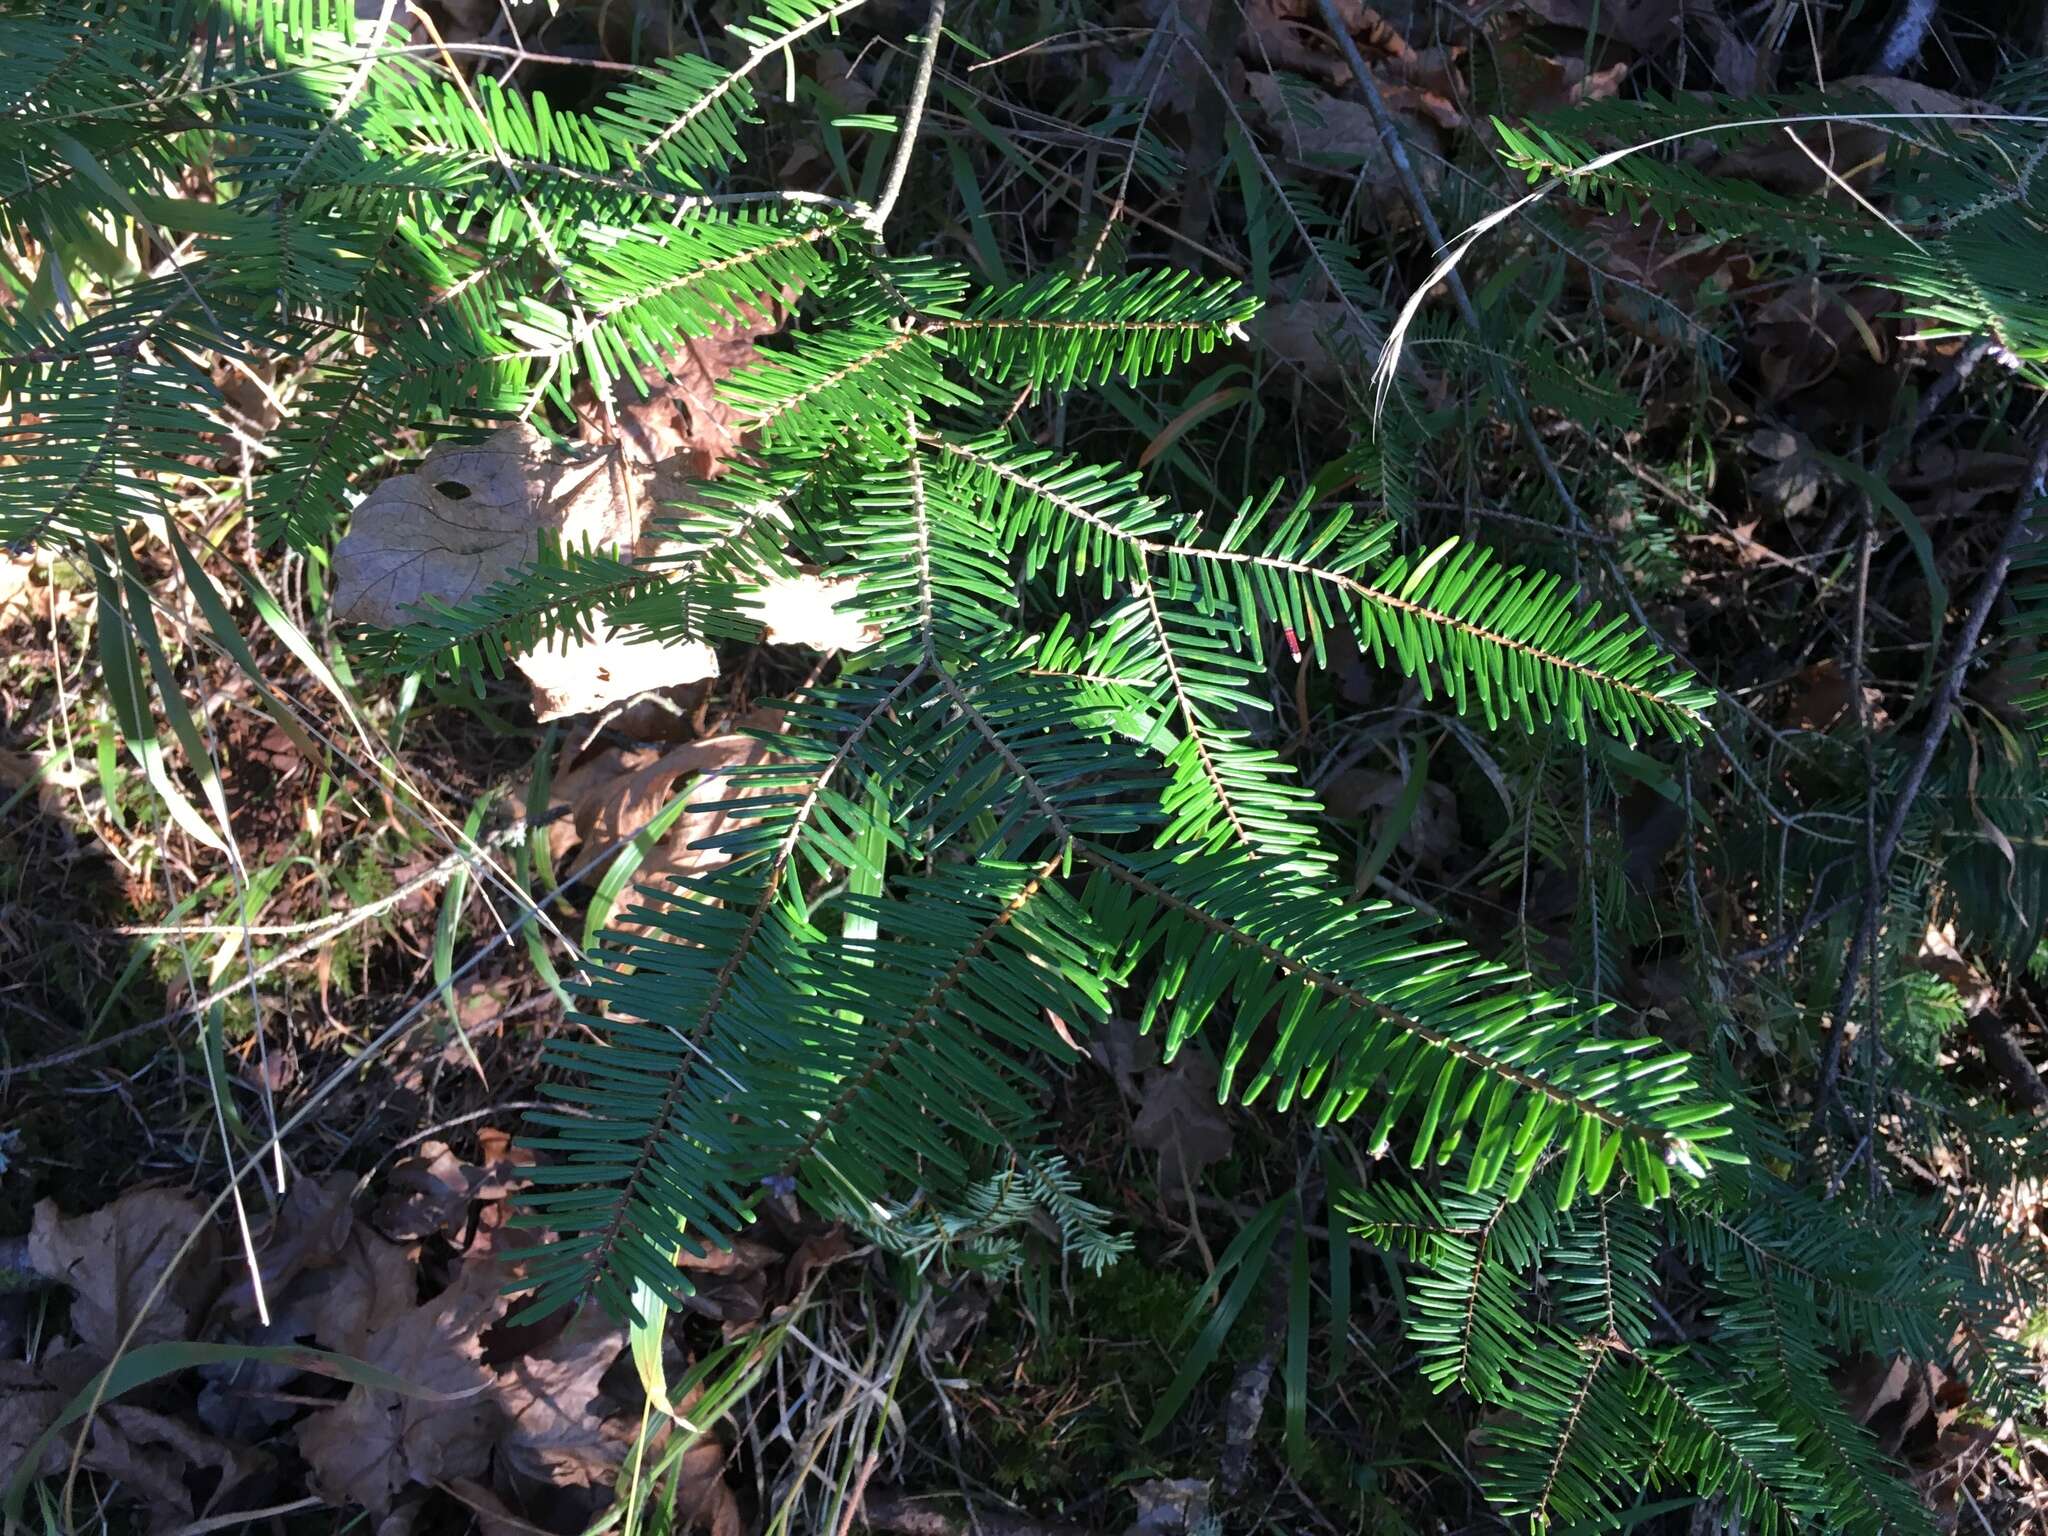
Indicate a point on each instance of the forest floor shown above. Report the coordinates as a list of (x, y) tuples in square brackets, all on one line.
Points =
[(362, 975)]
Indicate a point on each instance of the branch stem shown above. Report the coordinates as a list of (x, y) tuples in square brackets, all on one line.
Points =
[(1951, 689), (913, 117)]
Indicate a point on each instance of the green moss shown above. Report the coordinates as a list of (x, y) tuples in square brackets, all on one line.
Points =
[(361, 880), (1063, 1405)]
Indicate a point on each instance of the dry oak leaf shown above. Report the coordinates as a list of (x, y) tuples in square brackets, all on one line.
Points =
[(113, 1258), (376, 1445), (573, 676)]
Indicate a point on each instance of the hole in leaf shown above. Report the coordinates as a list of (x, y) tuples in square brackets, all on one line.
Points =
[(454, 490)]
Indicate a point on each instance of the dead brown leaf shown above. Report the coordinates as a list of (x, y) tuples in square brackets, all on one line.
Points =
[(1338, 136), (704, 1501), (429, 1193), (57, 779), (1645, 25), (1851, 151), (1813, 330), (810, 610), (576, 677), (1535, 82), (329, 1279), (1431, 833), (1180, 1119), (813, 1255), (1940, 956), (1170, 1507), (1901, 1400), (470, 515), (467, 517), (1793, 479), (1822, 698), (1327, 340), (17, 592), (376, 1445), (112, 1258), (680, 420), (1124, 1053), (149, 1453), (612, 795), (556, 1434)]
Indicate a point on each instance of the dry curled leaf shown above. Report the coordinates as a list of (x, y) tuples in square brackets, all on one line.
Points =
[(429, 1193), (612, 795)]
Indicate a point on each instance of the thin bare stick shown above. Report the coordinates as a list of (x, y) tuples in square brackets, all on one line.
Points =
[(1951, 689), (913, 117)]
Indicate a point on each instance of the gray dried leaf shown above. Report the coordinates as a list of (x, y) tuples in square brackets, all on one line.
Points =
[(467, 518), (1180, 1120)]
